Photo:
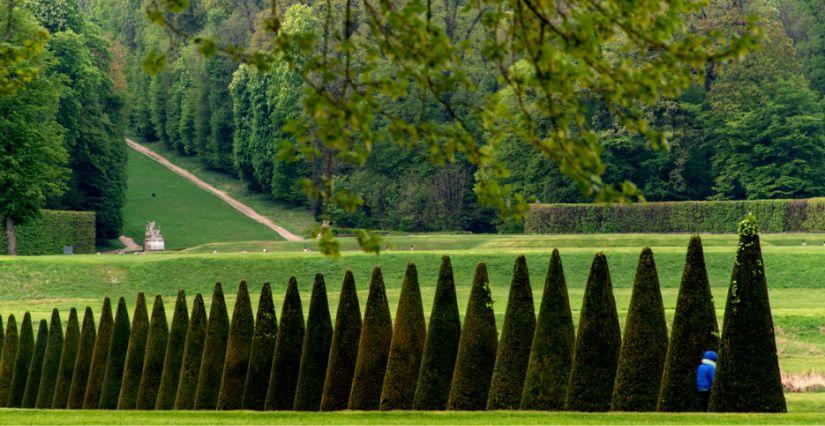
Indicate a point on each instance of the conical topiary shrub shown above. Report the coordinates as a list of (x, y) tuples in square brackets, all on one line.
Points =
[(598, 343), (135, 352), (85, 350), (36, 366), (344, 349), (694, 331), (260, 355), (97, 369), (237, 352), (644, 345), (407, 347), (214, 353), (747, 378), (373, 348), (68, 358), (441, 346), (153, 358), (477, 349), (286, 361), (22, 362), (51, 362), (551, 354), (192, 354), (315, 352), (510, 369), (173, 358), (9, 355), (116, 360)]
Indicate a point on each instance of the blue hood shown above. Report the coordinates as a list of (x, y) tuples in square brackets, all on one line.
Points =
[(711, 355)]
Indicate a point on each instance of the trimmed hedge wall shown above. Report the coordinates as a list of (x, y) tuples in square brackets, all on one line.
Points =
[(53, 230)]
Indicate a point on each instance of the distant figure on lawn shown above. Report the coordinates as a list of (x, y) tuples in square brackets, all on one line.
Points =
[(704, 378)]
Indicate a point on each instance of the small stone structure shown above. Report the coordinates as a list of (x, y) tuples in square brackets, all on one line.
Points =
[(153, 240)]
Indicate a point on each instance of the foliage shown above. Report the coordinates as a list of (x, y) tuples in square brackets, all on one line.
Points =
[(35, 367), (25, 350), (173, 359), (119, 351), (286, 361), (154, 357), (214, 354), (192, 356), (53, 230), (51, 363), (261, 352), (135, 353), (97, 367), (82, 365), (66, 365), (9, 354), (315, 353), (373, 348), (238, 347), (343, 351)]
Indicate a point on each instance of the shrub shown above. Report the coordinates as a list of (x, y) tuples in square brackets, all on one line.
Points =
[(7, 358), (173, 358), (36, 366), (694, 331), (237, 352), (476, 349), (135, 352), (97, 368), (192, 355), (260, 356), (373, 348), (68, 358), (510, 368), (116, 360), (22, 362), (644, 346), (214, 353), (344, 349), (52, 231), (83, 361), (598, 342), (51, 362), (286, 361), (551, 354), (153, 358), (315, 352)]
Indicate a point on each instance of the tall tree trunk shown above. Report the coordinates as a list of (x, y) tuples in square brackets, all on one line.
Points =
[(11, 237)]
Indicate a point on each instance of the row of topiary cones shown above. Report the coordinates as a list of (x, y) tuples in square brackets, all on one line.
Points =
[(259, 363)]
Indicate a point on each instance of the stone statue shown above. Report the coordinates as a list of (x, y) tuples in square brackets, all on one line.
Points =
[(153, 240), (153, 230)]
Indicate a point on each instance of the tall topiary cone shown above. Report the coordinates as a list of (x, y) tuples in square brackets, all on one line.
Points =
[(477, 349), (118, 351), (51, 362), (153, 359), (135, 352), (68, 358), (214, 353), (80, 373), (260, 356), (408, 337), (173, 358), (25, 349), (97, 368), (237, 352), (344, 349), (747, 377), (315, 352), (9, 355), (286, 361), (192, 354), (644, 346), (441, 346), (36, 366), (598, 343), (694, 331), (551, 353), (373, 348), (510, 369)]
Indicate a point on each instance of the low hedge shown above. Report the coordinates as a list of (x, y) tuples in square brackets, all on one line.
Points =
[(53, 230)]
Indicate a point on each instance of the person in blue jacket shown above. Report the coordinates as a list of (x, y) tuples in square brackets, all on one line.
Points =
[(704, 378)]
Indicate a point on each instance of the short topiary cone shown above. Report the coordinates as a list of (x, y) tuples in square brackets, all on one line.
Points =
[(477, 349), (260, 355), (192, 354), (25, 349), (344, 349), (173, 358), (9, 355), (694, 331), (747, 378), (513, 356), (153, 358), (97, 367), (51, 362), (68, 358), (80, 372), (237, 352), (135, 352), (214, 353), (315, 351), (373, 348), (644, 346), (36, 366), (116, 361), (551, 353), (286, 361), (441, 346), (408, 337), (598, 342)]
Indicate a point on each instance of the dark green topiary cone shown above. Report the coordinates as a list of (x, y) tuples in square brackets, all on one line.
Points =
[(133, 364), (477, 348), (97, 369), (315, 352), (407, 347), (173, 358), (551, 354), (260, 356), (9, 355), (286, 361), (644, 345), (36, 366), (510, 369), (51, 363), (192, 355), (747, 378), (118, 350), (373, 348), (598, 343), (237, 352), (22, 362), (83, 361), (68, 358), (344, 349), (441, 347), (153, 358), (214, 353)]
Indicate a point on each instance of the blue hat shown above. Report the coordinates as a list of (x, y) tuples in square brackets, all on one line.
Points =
[(711, 355)]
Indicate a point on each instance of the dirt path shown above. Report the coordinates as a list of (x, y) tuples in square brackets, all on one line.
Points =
[(237, 205), (130, 244)]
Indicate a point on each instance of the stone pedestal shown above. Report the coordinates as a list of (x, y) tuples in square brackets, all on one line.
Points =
[(153, 244)]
